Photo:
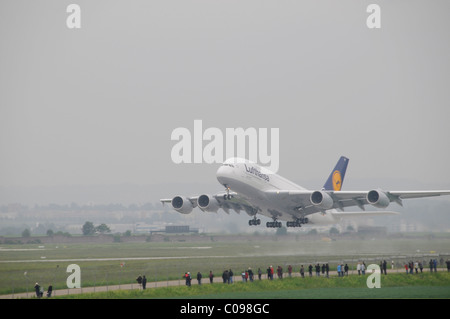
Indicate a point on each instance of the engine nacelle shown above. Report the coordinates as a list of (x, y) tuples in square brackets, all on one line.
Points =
[(322, 200), (182, 205), (207, 203), (378, 198)]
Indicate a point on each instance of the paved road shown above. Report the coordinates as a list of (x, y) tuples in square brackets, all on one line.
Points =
[(157, 284)]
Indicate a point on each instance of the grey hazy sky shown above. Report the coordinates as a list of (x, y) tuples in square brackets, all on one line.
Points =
[(97, 105)]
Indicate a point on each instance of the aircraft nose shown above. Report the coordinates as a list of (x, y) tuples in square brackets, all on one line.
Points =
[(222, 173)]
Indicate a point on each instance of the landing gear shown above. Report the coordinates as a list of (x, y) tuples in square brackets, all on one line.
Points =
[(298, 222), (254, 222), (227, 196), (273, 224)]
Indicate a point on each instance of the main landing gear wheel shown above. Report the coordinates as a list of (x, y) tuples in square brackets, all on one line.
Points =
[(254, 222), (274, 224), (297, 222)]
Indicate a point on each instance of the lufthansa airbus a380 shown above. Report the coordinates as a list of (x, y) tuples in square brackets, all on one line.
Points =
[(256, 190)]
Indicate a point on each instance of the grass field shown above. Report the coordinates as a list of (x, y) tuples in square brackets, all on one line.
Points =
[(426, 285), (120, 263)]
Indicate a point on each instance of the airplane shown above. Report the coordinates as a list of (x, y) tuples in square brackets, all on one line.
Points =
[(256, 190)]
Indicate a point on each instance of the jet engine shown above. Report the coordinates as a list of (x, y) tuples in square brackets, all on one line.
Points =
[(207, 203), (182, 205), (378, 198), (322, 200)]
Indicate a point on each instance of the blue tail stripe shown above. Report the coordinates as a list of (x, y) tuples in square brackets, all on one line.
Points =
[(336, 178)]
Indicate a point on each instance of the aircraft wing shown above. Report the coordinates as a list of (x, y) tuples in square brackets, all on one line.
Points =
[(211, 203), (308, 202)]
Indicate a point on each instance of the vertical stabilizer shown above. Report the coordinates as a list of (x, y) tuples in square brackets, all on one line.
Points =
[(336, 178)]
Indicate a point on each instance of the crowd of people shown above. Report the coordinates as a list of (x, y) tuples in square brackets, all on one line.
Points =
[(416, 266), (342, 270), (317, 270)]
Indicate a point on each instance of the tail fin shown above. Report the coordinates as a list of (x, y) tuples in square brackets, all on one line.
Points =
[(336, 178)]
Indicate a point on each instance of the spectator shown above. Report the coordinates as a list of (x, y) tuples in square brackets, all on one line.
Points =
[(139, 281), (187, 277), (250, 274), (290, 271), (280, 272), (144, 282), (199, 278), (358, 268), (225, 276), (310, 267), (346, 269), (259, 273), (211, 277), (37, 289), (317, 270), (302, 272), (49, 291), (339, 270), (230, 276)]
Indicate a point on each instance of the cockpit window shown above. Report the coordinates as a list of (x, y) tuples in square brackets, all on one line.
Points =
[(226, 164)]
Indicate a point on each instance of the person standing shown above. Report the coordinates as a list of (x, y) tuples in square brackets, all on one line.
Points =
[(225, 276), (317, 270), (37, 289), (250, 274), (211, 277), (187, 276), (144, 282), (199, 278), (139, 281), (49, 291), (230, 276)]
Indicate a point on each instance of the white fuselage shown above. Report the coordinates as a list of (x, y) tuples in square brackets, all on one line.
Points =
[(252, 181)]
